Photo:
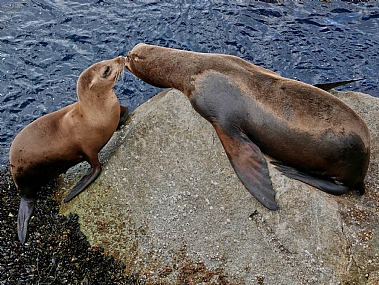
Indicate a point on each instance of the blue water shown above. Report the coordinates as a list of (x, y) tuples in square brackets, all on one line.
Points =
[(45, 45)]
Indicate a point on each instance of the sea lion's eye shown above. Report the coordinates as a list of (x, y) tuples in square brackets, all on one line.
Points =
[(106, 72)]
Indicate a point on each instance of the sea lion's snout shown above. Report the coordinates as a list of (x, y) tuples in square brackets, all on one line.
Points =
[(127, 61), (121, 60)]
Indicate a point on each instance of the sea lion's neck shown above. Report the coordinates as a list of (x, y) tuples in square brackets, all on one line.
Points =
[(162, 74), (164, 68), (96, 101)]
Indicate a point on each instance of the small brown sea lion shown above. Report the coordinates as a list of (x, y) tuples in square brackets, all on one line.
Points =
[(57, 141), (315, 137)]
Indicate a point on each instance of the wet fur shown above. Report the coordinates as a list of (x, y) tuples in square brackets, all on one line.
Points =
[(254, 109), (57, 141)]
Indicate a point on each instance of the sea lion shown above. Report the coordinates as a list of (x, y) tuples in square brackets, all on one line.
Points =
[(57, 141), (315, 137)]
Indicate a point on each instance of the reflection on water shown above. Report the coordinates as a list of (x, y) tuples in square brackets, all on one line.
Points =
[(46, 44)]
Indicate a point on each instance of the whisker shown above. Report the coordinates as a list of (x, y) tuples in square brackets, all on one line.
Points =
[(117, 75)]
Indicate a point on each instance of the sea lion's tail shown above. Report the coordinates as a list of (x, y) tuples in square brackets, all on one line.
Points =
[(24, 213), (331, 85)]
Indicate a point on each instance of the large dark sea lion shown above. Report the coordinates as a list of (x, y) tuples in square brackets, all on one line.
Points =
[(57, 141), (315, 137)]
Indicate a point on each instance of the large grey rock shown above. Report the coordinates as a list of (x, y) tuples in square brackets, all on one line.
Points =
[(169, 205)]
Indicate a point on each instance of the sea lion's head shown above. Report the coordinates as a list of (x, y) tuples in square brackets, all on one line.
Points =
[(102, 76), (137, 56), (149, 63)]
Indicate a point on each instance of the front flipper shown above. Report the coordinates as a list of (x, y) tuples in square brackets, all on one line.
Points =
[(249, 164), (321, 182), (86, 180), (124, 113), (331, 85), (24, 214)]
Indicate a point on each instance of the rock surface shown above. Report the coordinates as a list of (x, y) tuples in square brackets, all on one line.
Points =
[(169, 205)]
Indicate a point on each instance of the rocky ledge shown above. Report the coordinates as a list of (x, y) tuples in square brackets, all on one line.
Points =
[(170, 207)]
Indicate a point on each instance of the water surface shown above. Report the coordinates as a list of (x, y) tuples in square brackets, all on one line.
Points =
[(45, 45)]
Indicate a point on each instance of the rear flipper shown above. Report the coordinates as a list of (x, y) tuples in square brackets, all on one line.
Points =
[(321, 182), (331, 85), (24, 214)]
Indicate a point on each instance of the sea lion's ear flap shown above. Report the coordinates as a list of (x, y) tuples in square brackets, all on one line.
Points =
[(86, 80), (92, 83), (249, 165)]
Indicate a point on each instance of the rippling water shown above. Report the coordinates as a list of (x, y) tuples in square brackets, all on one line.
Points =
[(45, 45)]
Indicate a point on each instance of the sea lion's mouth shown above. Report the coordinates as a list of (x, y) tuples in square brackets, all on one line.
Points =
[(127, 61)]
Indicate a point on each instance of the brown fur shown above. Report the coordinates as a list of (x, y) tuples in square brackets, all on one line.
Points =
[(55, 142), (300, 125)]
